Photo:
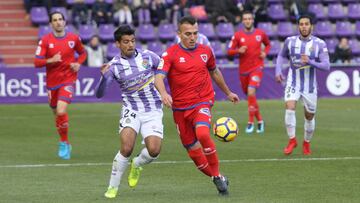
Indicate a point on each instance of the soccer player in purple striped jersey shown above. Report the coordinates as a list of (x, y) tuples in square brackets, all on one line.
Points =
[(307, 54), (133, 70)]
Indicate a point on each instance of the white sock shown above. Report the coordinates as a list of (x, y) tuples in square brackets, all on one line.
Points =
[(290, 123), (309, 127), (120, 164), (143, 158)]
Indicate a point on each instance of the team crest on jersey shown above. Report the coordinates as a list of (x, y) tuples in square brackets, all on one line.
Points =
[(51, 45), (182, 60), (258, 38), (71, 44), (204, 57), (205, 111), (145, 64), (242, 39)]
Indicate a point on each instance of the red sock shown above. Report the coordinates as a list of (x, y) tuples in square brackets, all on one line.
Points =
[(62, 125), (252, 107), (203, 135), (257, 113), (200, 161)]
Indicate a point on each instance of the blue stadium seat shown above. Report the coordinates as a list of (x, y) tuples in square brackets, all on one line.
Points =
[(217, 48), (156, 47), (208, 30), (86, 32), (354, 11), (324, 29), (146, 32), (106, 32), (276, 12), (285, 29), (344, 29), (224, 31), (267, 27), (167, 31), (336, 12), (319, 11), (39, 15)]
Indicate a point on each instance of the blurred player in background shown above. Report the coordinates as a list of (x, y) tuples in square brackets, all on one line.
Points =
[(189, 67), (56, 51), (306, 53), (248, 44), (142, 112)]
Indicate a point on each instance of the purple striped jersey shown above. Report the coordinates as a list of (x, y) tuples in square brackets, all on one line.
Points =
[(303, 76), (135, 76)]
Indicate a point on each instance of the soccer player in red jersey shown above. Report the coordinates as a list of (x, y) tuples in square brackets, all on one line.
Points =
[(248, 44), (189, 67), (56, 51)]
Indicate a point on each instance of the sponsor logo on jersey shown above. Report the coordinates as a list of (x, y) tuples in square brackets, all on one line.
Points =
[(205, 111), (182, 60), (204, 57), (258, 38), (71, 44)]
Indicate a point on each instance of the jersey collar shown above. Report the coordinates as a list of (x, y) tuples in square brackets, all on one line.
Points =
[(187, 49)]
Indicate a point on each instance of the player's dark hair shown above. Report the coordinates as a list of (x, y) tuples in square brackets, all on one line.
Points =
[(246, 12), (305, 16), (123, 30), (188, 19), (55, 12)]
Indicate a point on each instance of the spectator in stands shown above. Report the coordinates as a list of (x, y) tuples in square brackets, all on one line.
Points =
[(223, 11), (122, 12), (101, 12), (259, 9), (179, 9), (157, 12), (298, 8), (80, 13), (342, 52), (95, 52)]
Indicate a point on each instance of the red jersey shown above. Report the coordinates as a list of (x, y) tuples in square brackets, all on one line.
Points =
[(59, 73), (188, 75), (250, 60)]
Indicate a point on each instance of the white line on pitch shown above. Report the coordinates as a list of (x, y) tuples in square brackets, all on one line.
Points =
[(181, 162)]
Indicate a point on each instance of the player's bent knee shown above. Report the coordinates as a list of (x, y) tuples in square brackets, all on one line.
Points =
[(126, 151), (154, 151)]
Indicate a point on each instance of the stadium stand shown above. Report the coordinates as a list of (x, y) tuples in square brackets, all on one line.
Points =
[(19, 34)]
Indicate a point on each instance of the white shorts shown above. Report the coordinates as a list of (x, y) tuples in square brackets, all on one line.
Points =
[(309, 100), (147, 123)]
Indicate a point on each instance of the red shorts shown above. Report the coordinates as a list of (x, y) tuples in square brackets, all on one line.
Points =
[(187, 120), (63, 93), (252, 79)]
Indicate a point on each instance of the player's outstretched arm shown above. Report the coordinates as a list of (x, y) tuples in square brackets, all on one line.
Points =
[(104, 81), (160, 86), (220, 82)]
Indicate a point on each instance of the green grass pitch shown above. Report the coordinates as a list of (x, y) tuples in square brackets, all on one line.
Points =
[(257, 169)]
